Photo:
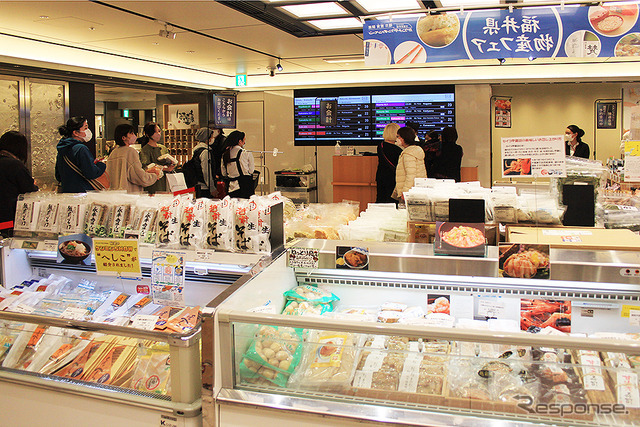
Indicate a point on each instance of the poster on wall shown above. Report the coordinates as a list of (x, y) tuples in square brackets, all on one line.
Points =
[(606, 115), (533, 156), (502, 108), (631, 112), (632, 161), (181, 116), (607, 30)]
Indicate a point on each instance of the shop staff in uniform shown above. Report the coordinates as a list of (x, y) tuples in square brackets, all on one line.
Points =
[(575, 147), (75, 164), (388, 154), (237, 166), (15, 178)]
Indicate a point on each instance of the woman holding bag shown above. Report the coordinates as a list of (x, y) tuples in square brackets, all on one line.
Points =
[(76, 168)]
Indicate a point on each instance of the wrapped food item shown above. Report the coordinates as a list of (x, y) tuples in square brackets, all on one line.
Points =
[(329, 363), (311, 293), (219, 224), (153, 371), (305, 308), (168, 222), (273, 355)]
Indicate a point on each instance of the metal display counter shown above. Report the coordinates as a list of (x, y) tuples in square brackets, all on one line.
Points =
[(457, 382)]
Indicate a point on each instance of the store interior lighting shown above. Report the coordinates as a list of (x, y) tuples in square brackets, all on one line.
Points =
[(377, 6), (337, 23), (312, 10)]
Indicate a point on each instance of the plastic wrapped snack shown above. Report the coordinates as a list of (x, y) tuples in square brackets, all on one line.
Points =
[(311, 294), (273, 355), (305, 308), (329, 362), (168, 223)]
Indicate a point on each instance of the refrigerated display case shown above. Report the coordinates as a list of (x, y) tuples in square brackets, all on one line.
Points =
[(469, 362), (162, 384)]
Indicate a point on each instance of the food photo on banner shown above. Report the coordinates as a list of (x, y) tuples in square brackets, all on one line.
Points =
[(529, 32), (74, 249)]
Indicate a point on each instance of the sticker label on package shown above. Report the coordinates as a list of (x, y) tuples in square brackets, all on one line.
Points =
[(363, 379), (374, 361)]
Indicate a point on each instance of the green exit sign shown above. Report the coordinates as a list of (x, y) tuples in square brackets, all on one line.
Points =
[(241, 80)]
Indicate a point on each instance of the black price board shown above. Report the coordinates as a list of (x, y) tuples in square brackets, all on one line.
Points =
[(224, 111)]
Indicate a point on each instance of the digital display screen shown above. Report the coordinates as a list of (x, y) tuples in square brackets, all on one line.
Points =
[(363, 113)]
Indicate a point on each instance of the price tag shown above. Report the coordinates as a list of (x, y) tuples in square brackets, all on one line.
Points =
[(204, 256), (144, 321), (634, 317), (363, 379), (303, 258), (491, 307), (23, 308), (49, 245), (74, 313)]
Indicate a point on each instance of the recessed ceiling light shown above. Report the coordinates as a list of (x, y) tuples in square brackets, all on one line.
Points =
[(43, 17), (92, 28), (309, 10), (463, 3), (191, 51), (155, 43), (336, 24), (376, 6)]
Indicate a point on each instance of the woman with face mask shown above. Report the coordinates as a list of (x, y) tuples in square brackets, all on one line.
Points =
[(75, 164), (151, 153), (410, 163), (123, 165), (575, 147)]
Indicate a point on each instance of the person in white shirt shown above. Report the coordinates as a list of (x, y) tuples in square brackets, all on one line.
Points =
[(237, 166)]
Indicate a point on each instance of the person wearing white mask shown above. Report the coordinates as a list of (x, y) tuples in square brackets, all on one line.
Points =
[(575, 147), (75, 164), (410, 163)]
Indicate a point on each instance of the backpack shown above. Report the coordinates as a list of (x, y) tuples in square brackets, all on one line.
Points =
[(192, 169)]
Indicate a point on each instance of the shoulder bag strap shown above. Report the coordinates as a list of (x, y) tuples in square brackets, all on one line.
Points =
[(385, 156), (95, 184)]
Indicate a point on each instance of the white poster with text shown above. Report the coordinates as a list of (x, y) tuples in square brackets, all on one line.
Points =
[(533, 156)]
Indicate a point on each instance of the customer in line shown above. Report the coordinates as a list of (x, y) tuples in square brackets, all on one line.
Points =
[(75, 165), (123, 165), (238, 166), (447, 163), (431, 149), (575, 147), (388, 154), (410, 163), (203, 155), (15, 178), (151, 153), (217, 147)]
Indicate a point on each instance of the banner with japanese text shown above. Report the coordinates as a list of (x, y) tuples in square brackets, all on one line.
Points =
[(530, 32), (117, 257)]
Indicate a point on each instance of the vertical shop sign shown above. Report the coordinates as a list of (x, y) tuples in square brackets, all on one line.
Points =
[(502, 108), (606, 115), (632, 161), (224, 111), (328, 111)]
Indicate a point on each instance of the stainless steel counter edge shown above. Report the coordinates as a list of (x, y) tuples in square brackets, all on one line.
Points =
[(360, 410), (86, 390), (450, 334), (184, 340)]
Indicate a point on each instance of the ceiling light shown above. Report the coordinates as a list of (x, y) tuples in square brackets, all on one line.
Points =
[(166, 33), (43, 17), (464, 3), (343, 60), (309, 10), (502, 60), (191, 51), (336, 24), (279, 66), (376, 6)]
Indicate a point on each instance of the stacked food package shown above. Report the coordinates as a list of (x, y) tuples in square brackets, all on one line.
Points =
[(498, 378), (236, 225), (90, 356), (320, 220)]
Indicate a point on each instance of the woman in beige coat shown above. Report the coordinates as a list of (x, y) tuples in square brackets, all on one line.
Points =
[(123, 165), (410, 163)]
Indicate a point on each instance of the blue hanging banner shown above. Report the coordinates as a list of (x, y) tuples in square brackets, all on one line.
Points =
[(540, 32)]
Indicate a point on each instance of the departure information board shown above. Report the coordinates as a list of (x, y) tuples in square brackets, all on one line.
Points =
[(361, 118)]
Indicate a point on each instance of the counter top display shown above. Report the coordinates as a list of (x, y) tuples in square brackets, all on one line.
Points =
[(407, 344)]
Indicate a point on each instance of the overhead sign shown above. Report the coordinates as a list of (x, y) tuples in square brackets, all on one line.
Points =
[(529, 32), (224, 111), (328, 112), (241, 80)]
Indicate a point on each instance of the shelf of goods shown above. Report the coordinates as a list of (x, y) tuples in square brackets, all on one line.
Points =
[(122, 371), (418, 339), (180, 143)]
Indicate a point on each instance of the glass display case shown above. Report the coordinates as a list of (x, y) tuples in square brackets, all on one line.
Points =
[(73, 353), (464, 347)]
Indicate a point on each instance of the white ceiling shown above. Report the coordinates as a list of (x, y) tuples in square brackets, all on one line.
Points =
[(86, 36)]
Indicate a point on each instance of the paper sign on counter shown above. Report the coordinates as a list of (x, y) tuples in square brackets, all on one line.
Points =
[(634, 317), (144, 321), (491, 307)]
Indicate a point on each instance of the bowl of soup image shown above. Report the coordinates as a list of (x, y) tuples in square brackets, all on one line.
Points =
[(74, 251)]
